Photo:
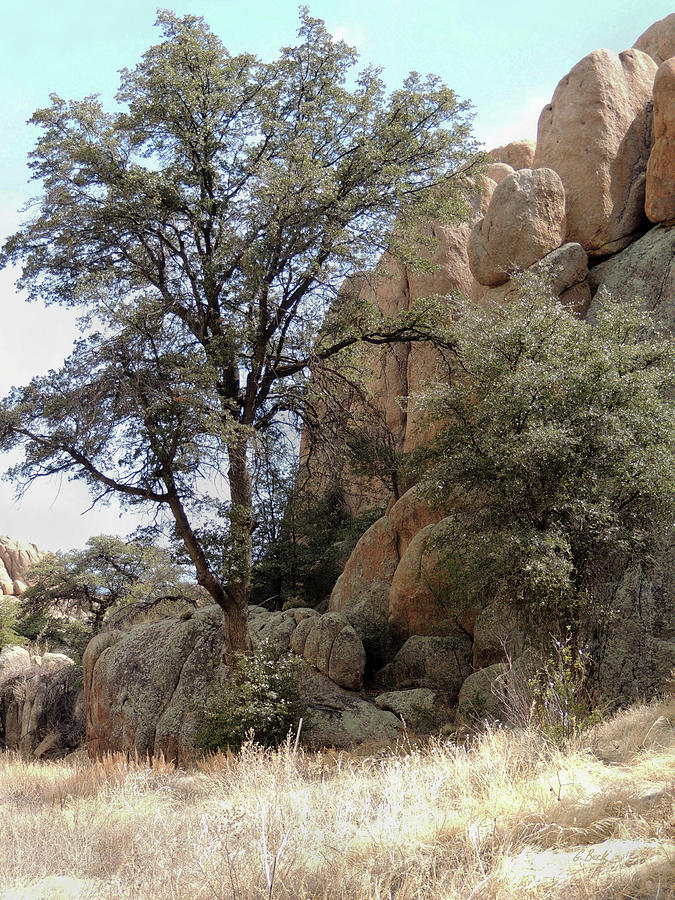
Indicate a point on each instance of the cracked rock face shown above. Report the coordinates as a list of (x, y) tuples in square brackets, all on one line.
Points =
[(140, 685), (646, 269), (596, 134)]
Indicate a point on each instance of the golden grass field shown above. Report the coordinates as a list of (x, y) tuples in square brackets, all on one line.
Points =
[(505, 816)]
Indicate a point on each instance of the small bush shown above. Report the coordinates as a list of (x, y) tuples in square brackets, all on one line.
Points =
[(562, 704), (550, 695), (260, 701)]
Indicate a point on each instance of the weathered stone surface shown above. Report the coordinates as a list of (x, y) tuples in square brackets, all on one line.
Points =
[(477, 700), (658, 41), (339, 718), (408, 516), (498, 171), (15, 560), (660, 187), (568, 268), (440, 663), (41, 706), (635, 654), (347, 661), (273, 629), (421, 709), (414, 607), (141, 685), (596, 134), (524, 222), (299, 636), (518, 154), (333, 647), (646, 269)]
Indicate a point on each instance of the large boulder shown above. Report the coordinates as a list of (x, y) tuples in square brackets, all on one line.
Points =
[(596, 134), (646, 269), (567, 267), (333, 647), (141, 685), (339, 718), (362, 591), (478, 699), (517, 154), (420, 709), (439, 663), (660, 190), (658, 41), (524, 221)]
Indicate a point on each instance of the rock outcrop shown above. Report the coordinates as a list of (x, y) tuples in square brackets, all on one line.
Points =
[(41, 703), (596, 134), (645, 269), (15, 560), (660, 189), (577, 205), (143, 687)]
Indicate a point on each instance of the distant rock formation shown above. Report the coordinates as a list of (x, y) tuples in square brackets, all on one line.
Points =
[(15, 560)]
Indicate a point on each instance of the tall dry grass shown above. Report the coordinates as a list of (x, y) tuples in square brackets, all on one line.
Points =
[(507, 816)]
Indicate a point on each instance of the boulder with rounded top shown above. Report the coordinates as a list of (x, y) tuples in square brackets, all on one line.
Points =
[(658, 41), (596, 134), (524, 222)]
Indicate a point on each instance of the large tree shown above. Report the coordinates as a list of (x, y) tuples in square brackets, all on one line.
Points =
[(204, 228)]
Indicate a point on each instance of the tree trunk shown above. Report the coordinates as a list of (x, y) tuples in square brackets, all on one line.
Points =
[(241, 525)]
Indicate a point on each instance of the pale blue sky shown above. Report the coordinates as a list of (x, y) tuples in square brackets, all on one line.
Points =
[(506, 57)]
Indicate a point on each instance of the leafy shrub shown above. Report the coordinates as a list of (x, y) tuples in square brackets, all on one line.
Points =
[(551, 695), (562, 704), (9, 613), (259, 701)]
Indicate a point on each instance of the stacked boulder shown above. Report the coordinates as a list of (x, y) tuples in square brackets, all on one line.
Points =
[(15, 560)]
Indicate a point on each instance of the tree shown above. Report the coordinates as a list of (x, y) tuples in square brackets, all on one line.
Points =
[(204, 230), (555, 462), (106, 573)]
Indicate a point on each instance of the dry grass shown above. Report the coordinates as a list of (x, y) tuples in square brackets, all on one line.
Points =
[(507, 817)]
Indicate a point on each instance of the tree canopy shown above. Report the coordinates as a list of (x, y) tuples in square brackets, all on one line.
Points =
[(203, 228), (555, 460), (106, 573)]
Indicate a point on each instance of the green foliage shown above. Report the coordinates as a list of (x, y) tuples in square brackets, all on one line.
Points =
[(9, 614), (85, 585), (556, 460), (204, 227), (260, 701), (562, 706), (307, 555)]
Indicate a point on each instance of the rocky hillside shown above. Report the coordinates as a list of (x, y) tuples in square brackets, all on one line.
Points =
[(594, 197)]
